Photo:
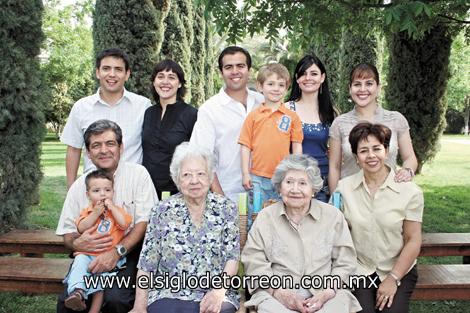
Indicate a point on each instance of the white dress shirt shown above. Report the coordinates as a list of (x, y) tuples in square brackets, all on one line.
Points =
[(218, 126), (128, 113), (133, 190)]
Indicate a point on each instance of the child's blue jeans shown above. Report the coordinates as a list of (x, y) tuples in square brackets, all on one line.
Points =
[(75, 278), (264, 186)]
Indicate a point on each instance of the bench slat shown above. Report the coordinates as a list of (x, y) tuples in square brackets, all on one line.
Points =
[(442, 282), (33, 275), (32, 241), (445, 244)]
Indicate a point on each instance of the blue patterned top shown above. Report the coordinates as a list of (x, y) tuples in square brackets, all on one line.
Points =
[(315, 142), (173, 244)]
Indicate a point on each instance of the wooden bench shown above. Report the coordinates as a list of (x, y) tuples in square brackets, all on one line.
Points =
[(36, 242), (442, 282), (446, 244), (33, 275)]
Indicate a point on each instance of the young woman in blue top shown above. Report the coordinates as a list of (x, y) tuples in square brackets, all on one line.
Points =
[(310, 98)]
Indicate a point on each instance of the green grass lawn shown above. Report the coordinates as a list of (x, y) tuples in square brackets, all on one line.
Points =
[(445, 182)]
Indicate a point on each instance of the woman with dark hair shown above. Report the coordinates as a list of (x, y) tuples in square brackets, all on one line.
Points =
[(364, 88), (310, 98), (166, 124), (385, 222)]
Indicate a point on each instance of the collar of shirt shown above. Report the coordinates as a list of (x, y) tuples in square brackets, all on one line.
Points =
[(314, 210), (210, 207), (170, 107), (389, 182), (282, 108), (118, 170), (98, 99), (225, 99), (378, 113)]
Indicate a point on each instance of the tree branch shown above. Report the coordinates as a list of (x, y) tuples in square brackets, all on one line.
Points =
[(363, 5), (453, 19)]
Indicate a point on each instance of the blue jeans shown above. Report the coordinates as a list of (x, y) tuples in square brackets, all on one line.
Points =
[(264, 187), (75, 278)]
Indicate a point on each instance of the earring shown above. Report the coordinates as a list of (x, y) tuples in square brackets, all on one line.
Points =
[(321, 87)]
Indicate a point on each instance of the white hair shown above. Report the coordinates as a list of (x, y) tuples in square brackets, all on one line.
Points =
[(302, 162), (185, 151)]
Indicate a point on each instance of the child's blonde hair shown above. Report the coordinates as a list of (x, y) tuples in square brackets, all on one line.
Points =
[(273, 68)]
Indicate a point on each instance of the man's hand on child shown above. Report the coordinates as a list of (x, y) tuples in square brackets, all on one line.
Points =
[(104, 262), (91, 241)]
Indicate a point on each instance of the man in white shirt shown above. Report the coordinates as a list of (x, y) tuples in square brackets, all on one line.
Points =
[(133, 191), (113, 102), (221, 117)]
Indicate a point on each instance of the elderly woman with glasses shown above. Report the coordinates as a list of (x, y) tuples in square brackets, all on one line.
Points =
[(194, 232), (303, 239)]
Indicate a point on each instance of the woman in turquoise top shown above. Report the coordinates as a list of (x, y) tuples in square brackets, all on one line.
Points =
[(310, 98)]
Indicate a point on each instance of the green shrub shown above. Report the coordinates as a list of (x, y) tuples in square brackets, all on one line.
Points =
[(22, 96)]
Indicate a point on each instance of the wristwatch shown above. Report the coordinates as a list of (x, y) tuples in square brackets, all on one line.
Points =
[(395, 277), (121, 250)]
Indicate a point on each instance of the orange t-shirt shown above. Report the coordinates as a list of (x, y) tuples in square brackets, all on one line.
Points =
[(268, 134), (107, 225)]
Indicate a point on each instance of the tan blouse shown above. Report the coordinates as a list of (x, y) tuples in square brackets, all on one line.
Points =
[(320, 245), (344, 123), (376, 223)]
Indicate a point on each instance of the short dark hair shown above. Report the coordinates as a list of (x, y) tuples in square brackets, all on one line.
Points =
[(365, 129), (112, 52), (364, 70), (100, 126), (97, 174), (168, 65), (233, 50)]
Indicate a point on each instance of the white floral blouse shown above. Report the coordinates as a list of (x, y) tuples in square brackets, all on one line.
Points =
[(173, 245)]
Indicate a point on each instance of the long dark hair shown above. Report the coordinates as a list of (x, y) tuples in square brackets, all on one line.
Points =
[(326, 109), (168, 65)]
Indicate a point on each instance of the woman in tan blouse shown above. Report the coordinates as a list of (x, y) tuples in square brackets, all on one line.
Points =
[(300, 238), (385, 222), (364, 87)]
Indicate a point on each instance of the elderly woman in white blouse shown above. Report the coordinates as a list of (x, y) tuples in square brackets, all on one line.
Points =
[(297, 237)]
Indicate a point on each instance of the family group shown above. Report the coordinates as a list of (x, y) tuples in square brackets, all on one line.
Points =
[(292, 154)]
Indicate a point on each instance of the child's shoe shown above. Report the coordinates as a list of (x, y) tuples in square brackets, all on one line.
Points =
[(76, 300)]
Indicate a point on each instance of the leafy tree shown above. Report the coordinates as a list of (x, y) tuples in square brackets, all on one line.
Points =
[(69, 65), (458, 88), (355, 49), (21, 108), (136, 26), (198, 59), (417, 80), (210, 65), (304, 20), (177, 42)]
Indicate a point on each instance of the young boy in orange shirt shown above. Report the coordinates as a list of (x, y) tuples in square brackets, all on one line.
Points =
[(107, 218), (268, 133)]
